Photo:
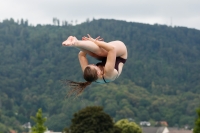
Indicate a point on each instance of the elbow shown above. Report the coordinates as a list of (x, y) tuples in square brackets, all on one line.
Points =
[(112, 51), (81, 53), (112, 48)]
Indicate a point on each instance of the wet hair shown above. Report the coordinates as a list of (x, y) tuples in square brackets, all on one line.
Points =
[(90, 75), (76, 88)]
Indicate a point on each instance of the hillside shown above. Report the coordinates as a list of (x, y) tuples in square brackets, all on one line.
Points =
[(160, 80)]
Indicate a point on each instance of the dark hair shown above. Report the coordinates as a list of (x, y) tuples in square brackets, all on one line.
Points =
[(90, 75), (76, 87)]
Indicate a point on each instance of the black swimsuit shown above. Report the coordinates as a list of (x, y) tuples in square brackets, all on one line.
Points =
[(118, 60)]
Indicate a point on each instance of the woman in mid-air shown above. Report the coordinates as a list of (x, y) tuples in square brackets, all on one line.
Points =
[(112, 55)]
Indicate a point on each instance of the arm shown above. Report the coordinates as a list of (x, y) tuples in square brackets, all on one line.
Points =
[(85, 45), (98, 38), (111, 57), (110, 63), (82, 60), (104, 45), (99, 42)]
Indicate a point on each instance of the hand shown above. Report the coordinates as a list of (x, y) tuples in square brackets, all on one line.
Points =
[(89, 38), (92, 39), (98, 38), (71, 40)]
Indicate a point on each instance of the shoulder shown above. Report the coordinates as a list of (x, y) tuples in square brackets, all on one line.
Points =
[(111, 76)]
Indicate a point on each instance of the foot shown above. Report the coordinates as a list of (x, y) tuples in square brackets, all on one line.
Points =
[(71, 40)]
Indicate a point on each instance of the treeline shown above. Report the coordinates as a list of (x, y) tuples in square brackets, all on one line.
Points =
[(160, 80)]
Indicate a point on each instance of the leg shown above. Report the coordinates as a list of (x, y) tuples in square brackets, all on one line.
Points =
[(121, 50), (92, 54), (88, 46), (91, 48)]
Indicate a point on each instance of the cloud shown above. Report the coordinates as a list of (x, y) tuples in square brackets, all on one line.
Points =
[(180, 13)]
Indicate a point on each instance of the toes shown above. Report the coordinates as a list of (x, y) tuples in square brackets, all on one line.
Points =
[(70, 40)]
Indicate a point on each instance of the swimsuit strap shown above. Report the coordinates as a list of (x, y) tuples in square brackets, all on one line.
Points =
[(104, 80)]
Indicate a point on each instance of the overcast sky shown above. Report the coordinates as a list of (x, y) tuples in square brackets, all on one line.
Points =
[(184, 13)]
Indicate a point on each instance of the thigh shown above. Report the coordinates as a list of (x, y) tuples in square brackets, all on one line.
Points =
[(98, 57), (120, 49), (92, 47)]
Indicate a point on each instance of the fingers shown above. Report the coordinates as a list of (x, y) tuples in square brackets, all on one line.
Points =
[(99, 38), (85, 38), (91, 39), (89, 36)]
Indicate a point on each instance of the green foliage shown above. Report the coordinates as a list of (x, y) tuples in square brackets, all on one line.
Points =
[(128, 127), (197, 122), (66, 130), (160, 80), (39, 123), (91, 120), (3, 128)]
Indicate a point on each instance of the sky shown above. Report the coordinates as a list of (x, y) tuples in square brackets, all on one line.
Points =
[(183, 13)]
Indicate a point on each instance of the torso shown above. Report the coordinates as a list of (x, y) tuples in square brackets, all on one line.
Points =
[(117, 71), (121, 53)]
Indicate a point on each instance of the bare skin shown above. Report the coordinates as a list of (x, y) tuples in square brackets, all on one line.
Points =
[(98, 49)]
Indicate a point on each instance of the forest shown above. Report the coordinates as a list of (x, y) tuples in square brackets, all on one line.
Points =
[(159, 82)]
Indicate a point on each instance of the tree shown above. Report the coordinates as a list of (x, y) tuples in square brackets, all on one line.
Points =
[(128, 127), (92, 120), (197, 123), (3, 128), (66, 130), (39, 120)]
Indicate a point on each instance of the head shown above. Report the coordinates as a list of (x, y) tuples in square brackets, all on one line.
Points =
[(91, 73)]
